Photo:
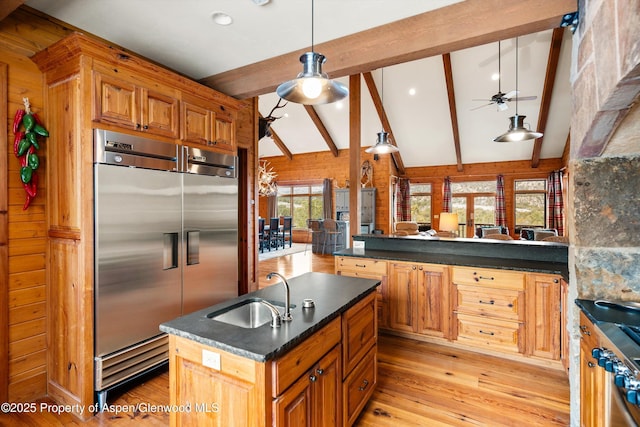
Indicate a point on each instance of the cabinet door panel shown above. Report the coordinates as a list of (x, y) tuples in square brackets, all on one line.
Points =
[(434, 307), (294, 407), (543, 315), (224, 138), (196, 124), (161, 113), (358, 332), (327, 390), (402, 296), (115, 102)]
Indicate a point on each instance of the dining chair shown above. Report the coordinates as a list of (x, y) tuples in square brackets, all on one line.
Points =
[(261, 235), (287, 231), (274, 230), (331, 234)]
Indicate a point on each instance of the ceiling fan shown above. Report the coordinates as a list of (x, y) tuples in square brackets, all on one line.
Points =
[(501, 98)]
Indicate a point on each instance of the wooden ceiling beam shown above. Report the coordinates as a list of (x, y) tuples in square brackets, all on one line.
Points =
[(382, 115), (547, 92), (448, 76), (475, 22), (322, 129), (281, 145)]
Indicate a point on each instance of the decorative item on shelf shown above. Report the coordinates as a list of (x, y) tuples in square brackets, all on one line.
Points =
[(266, 180), (366, 173), (517, 131), (382, 145), (25, 145), (449, 223), (312, 86)]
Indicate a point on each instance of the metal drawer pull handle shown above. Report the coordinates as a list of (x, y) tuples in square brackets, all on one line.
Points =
[(312, 378), (487, 302), (591, 364), (319, 371), (364, 385), (485, 278), (361, 265), (486, 333)]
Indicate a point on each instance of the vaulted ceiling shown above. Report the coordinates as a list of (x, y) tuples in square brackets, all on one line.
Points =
[(445, 50)]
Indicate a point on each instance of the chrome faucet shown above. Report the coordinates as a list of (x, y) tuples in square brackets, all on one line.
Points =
[(275, 314), (286, 317)]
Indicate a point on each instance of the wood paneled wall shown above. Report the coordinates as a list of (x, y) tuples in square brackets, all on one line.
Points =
[(316, 166), (310, 167), (21, 35)]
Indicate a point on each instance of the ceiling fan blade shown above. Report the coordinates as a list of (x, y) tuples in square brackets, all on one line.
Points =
[(486, 100), (524, 98), (482, 106), (511, 94)]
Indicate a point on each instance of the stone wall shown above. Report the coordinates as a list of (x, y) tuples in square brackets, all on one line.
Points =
[(604, 200)]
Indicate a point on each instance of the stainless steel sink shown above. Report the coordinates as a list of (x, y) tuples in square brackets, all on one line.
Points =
[(247, 314)]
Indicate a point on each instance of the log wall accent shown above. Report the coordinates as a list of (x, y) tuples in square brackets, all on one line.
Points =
[(314, 167), (21, 35)]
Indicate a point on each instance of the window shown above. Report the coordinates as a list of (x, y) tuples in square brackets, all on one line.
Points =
[(301, 202), (475, 204), (530, 203), (420, 203)]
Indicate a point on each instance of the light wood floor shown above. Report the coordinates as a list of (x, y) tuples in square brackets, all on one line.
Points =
[(419, 384)]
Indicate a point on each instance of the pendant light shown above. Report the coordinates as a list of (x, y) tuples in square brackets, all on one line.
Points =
[(517, 131), (382, 146), (312, 86)]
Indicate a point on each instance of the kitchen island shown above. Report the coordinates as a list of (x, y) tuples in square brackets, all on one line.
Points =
[(320, 366)]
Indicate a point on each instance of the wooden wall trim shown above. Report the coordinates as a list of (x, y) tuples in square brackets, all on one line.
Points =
[(4, 239)]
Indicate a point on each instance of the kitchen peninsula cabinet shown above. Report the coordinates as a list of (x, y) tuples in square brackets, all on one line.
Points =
[(419, 298), (120, 102), (544, 299), (89, 84)]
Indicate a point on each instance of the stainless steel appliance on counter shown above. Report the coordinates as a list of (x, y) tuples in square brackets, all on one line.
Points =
[(166, 244)]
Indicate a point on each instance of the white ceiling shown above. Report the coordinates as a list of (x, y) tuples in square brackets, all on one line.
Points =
[(182, 36)]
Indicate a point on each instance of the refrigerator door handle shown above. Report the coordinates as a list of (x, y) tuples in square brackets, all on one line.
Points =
[(170, 251), (193, 247)]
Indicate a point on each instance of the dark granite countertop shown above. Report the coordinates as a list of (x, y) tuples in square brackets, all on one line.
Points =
[(332, 295), (598, 314), (533, 266)]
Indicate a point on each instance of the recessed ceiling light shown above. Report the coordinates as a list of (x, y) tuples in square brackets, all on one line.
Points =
[(221, 18), (261, 2), (495, 76), (412, 91)]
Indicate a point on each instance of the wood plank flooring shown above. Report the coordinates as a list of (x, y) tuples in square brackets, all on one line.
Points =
[(419, 384)]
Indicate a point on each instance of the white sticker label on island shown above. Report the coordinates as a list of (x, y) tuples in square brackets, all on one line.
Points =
[(358, 246), (211, 359)]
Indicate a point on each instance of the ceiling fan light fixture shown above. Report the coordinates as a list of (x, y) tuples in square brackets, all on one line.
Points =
[(382, 146), (517, 131), (312, 86)]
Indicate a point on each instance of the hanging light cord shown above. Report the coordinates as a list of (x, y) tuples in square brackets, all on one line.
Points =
[(312, 9), (516, 76), (499, 71)]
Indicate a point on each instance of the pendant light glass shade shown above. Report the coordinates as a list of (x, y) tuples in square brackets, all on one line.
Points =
[(517, 131), (383, 146), (312, 86)]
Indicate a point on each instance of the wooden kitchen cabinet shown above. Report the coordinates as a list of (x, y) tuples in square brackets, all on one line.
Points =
[(419, 298), (315, 398), (208, 125), (543, 315), (368, 268), (593, 380), (125, 104), (489, 309)]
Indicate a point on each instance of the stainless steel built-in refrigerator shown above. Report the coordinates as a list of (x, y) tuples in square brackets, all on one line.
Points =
[(166, 244)]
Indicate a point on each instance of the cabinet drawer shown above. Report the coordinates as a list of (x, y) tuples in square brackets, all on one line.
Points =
[(492, 333), (488, 277), (358, 332), (289, 367), (359, 386), (506, 304), (355, 265)]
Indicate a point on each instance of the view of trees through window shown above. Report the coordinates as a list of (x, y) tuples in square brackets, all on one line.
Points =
[(301, 202), (531, 203), (475, 203), (420, 203)]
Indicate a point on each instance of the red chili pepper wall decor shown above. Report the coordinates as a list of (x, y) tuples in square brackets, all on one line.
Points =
[(27, 128)]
